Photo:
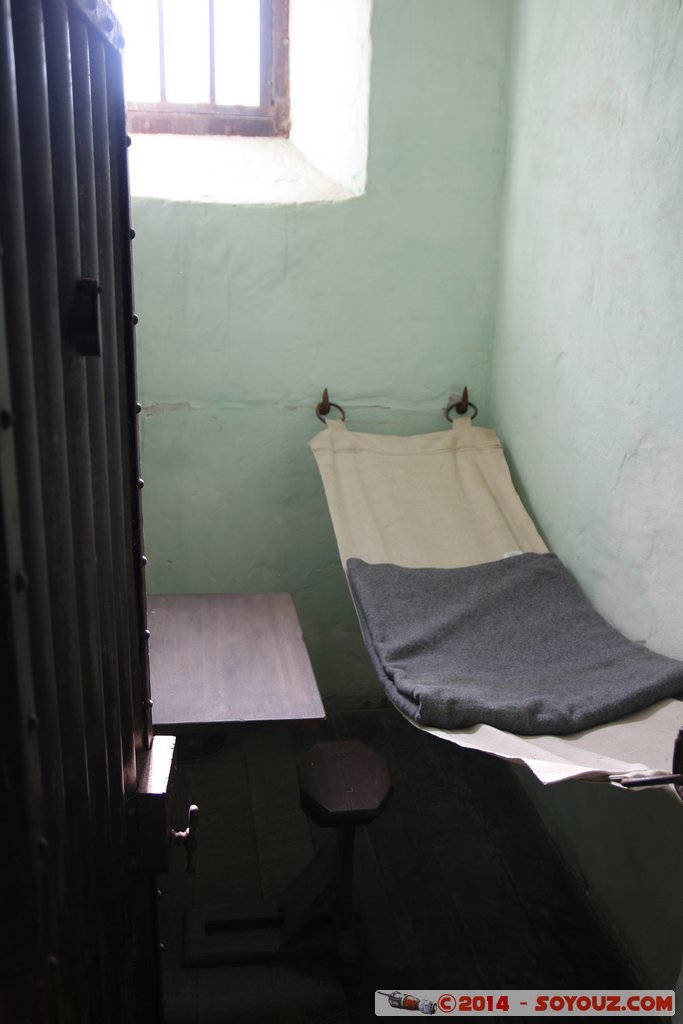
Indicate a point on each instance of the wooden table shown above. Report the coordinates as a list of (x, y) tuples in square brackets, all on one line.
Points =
[(220, 662)]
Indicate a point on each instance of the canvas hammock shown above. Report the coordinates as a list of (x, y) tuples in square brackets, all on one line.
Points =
[(445, 501)]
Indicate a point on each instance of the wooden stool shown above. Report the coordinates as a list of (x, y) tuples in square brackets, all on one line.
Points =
[(342, 784)]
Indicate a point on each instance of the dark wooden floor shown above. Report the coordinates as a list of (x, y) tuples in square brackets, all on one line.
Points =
[(457, 884)]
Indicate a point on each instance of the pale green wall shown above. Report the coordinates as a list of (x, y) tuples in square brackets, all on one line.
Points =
[(587, 377), (246, 313)]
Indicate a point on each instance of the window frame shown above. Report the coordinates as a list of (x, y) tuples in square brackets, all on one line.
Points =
[(269, 118)]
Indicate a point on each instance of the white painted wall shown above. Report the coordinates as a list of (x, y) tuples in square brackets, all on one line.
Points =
[(587, 378)]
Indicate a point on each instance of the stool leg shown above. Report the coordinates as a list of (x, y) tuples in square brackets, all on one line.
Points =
[(344, 895), (307, 894), (348, 946)]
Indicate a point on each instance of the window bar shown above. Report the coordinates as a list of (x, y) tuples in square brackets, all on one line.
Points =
[(266, 23), (162, 52), (212, 55)]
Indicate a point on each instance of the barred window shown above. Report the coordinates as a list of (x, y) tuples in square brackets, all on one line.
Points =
[(206, 67)]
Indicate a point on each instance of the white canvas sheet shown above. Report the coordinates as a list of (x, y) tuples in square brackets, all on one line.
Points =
[(445, 500)]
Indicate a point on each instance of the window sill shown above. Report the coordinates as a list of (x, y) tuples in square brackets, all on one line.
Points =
[(231, 170)]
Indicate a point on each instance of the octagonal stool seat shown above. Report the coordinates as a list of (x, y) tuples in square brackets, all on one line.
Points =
[(342, 784)]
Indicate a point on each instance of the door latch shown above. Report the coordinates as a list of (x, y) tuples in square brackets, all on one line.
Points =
[(189, 838)]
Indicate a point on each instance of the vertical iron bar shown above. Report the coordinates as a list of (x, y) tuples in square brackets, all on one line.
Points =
[(119, 709), (212, 53), (102, 701), (162, 51), (120, 732), (265, 53), (23, 988), (142, 888), (139, 690)]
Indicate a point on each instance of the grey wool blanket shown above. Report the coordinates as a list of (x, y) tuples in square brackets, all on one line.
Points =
[(512, 643)]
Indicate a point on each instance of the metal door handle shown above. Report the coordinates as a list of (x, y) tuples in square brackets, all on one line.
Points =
[(189, 837)]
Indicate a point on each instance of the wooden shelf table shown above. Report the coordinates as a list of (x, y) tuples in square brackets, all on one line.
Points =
[(223, 662)]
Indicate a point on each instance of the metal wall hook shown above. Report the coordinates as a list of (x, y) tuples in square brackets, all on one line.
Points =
[(324, 406), (461, 406)]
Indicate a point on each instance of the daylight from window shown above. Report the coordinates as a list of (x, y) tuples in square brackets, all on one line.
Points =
[(168, 46)]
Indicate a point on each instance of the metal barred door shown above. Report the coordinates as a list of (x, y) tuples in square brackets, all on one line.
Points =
[(79, 934)]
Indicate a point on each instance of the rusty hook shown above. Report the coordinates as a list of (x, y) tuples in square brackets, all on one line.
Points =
[(461, 406), (323, 407)]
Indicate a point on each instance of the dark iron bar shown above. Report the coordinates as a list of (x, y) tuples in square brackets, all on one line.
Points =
[(103, 689), (119, 711), (21, 788), (652, 780), (139, 691)]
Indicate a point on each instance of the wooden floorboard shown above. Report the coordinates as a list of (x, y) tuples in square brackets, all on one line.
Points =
[(457, 883)]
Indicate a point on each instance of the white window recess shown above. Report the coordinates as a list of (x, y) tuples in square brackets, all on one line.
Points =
[(325, 157)]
